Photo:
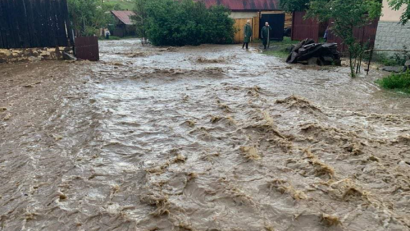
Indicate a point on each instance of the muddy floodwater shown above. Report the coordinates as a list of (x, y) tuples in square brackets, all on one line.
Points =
[(200, 138)]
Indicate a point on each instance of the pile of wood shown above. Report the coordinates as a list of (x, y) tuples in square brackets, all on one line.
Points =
[(309, 52)]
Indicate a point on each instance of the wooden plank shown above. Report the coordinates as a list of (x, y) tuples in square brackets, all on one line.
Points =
[(255, 28)]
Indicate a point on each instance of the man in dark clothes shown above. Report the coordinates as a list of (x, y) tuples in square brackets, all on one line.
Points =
[(247, 34), (265, 34)]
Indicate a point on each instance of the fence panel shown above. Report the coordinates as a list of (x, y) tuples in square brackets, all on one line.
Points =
[(303, 29), (86, 48), (34, 23), (362, 34)]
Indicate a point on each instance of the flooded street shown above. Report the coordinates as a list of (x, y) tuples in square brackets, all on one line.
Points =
[(200, 138)]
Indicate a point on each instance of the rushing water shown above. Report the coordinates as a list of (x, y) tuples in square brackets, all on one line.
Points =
[(199, 138)]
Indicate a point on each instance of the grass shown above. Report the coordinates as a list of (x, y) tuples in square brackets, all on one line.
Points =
[(279, 48), (123, 5), (399, 82), (278, 53)]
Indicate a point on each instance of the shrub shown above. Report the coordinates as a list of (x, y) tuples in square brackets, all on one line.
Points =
[(399, 82), (178, 23)]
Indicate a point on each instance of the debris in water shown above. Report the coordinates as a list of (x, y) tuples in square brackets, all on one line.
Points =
[(330, 220), (355, 149), (180, 159), (322, 169), (404, 139), (7, 117), (283, 187), (190, 123), (251, 153), (215, 119), (57, 137), (62, 196), (224, 106), (2, 109), (205, 60), (299, 102)]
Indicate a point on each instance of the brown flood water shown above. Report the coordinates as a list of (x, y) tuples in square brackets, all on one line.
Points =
[(199, 138)]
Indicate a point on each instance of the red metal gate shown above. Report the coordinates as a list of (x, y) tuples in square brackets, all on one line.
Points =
[(362, 35), (87, 48), (303, 29)]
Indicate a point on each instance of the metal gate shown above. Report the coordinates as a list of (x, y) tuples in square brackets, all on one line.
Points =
[(86, 48), (366, 34), (303, 29), (276, 22)]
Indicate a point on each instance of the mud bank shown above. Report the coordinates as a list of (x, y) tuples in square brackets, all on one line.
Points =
[(199, 138)]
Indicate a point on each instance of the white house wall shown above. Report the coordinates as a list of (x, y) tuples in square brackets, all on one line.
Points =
[(236, 15)]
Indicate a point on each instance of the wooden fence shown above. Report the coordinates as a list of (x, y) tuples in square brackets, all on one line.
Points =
[(34, 23), (240, 25)]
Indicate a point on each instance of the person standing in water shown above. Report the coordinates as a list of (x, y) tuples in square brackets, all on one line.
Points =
[(265, 34), (247, 34)]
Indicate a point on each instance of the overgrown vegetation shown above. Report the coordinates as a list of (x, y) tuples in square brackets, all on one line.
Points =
[(185, 22), (88, 16), (399, 82)]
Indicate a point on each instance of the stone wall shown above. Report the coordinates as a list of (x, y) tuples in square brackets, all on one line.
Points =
[(392, 36), (32, 54)]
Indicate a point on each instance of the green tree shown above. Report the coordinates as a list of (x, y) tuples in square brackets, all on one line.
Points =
[(140, 18), (185, 22), (294, 5), (346, 16), (88, 15), (397, 4)]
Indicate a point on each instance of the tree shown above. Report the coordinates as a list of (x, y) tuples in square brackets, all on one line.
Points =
[(140, 18), (88, 15), (397, 4), (294, 5), (346, 15), (185, 22)]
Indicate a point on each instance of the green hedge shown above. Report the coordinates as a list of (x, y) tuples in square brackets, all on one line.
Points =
[(178, 23)]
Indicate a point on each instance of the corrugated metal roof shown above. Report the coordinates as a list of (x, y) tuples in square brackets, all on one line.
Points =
[(123, 16), (244, 5)]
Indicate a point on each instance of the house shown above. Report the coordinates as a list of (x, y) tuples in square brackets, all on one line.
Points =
[(391, 35), (124, 25), (258, 12)]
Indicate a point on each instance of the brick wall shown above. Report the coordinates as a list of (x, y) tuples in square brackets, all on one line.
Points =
[(392, 36)]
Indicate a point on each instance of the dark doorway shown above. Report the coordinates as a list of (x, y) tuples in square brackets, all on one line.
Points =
[(276, 22)]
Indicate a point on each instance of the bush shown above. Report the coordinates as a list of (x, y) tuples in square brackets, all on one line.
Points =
[(178, 23), (399, 82)]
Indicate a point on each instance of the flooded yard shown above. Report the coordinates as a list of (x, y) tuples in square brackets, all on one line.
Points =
[(200, 138)]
